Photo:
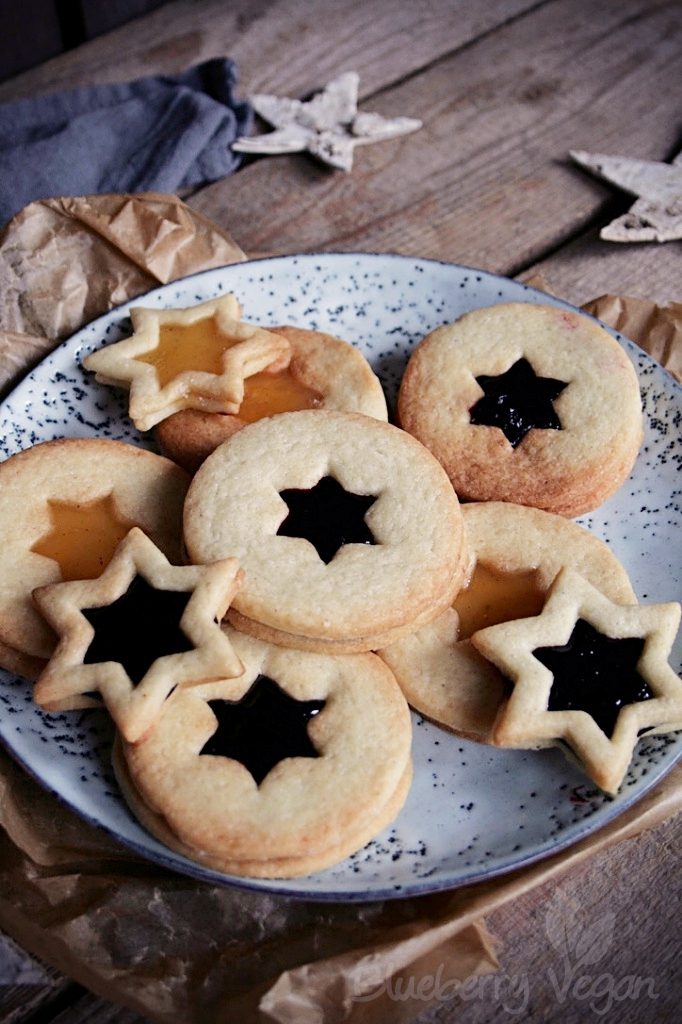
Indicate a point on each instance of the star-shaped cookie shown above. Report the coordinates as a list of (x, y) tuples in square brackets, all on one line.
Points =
[(587, 673), (328, 126), (136, 632), (195, 358)]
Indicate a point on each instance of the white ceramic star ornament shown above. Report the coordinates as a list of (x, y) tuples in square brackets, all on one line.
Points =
[(656, 216), (328, 126)]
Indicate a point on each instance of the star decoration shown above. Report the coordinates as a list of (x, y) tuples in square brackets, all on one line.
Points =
[(82, 537), (328, 126), (598, 717), (656, 216), (328, 516), (517, 401), (136, 632), (263, 728), (194, 358)]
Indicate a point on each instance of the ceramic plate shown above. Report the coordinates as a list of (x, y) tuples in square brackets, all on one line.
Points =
[(472, 811)]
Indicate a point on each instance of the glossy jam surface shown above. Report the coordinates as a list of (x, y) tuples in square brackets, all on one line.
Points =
[(493, 597), (328, 516), (517, 401), (137, 628), (266, 394), (263, 728), (197, 346), (82, 537), (596, 674)]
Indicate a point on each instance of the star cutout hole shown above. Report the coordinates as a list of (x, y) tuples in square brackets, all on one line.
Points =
[(82, 537), (328, 516), (596, 674), (263, 728), (517, 401)]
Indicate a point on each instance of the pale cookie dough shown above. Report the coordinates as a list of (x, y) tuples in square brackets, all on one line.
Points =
[(406, 506), (588, 674), (75, 500), (442, 675), (324, 373), (283, 786), (571, 373)]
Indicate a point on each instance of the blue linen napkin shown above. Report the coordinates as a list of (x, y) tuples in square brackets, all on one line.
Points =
[(155, 134)]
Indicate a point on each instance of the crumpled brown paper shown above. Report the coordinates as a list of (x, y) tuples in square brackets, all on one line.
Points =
[(176, 950), (64, 262)]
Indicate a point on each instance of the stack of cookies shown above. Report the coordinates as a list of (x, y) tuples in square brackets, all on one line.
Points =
[(257, 631)]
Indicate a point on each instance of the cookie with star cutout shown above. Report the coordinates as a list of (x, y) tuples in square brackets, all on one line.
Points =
[(195, 358), (514, 554), (136, 632), (347, 528), (284, 770), (323, 373), (587, 674), (526, 403), (64, 507)]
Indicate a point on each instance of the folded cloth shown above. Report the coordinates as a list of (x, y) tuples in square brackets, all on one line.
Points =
[(160, 133)]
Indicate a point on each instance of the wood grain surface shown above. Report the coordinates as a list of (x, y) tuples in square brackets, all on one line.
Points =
[(504, 90)]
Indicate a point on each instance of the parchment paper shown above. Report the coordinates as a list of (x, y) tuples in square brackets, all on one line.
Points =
[(181, 951)]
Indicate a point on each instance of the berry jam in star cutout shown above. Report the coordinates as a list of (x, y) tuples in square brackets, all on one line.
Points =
[(328, 516), (137, 628), (517, 401), (596, 674), (263, 728)]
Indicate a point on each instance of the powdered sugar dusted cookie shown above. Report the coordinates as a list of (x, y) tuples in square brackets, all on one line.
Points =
[(524, 403), (282, 771), (136, 632), (347, 528), (514, 553), (196, 358), (587, 674), (64, 508), (323, 373)]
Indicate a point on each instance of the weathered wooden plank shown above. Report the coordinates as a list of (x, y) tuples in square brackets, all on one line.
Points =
[(487, 181), (288, 45), (588, 267)]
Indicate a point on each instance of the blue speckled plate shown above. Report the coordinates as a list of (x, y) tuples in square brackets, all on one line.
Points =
[(472, 811)]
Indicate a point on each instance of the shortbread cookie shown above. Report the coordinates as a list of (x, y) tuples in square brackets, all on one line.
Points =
[(514, 554), (194, 358), (529, 404), (346, 527), (64, 507), (284, 770), (136, 632), (587, 674), (323, 373)]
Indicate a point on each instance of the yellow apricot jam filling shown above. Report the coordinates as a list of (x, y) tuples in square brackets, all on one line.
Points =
[(182, 347), (82, 537), (492, 597), (266, 394)]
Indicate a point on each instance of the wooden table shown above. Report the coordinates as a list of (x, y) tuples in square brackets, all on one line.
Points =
[(504, 90)]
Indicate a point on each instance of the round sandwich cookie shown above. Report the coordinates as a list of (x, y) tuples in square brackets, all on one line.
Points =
[(323, 372), (529, 404), (514, 553), (64, 508), (348, 530), (284, 770)]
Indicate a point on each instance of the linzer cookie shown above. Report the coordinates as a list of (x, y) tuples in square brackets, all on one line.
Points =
[(347, 528), (64, 508), (136, 632), (528, 404), (514, 554), (587, 674), (284, 770), (323, 373), (194, 358)]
